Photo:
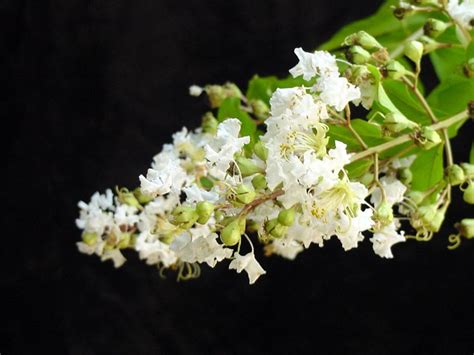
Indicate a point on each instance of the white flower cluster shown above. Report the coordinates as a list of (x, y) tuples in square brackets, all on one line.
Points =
[(202, 193)]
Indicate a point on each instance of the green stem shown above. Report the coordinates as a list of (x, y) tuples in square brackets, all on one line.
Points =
[(407, 137)]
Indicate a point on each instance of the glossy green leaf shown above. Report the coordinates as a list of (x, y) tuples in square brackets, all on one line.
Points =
[(371, 134), (427, 168), (262, 88), (451, 97)]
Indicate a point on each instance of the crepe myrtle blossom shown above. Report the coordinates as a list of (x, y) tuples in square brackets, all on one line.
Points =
[(289, 185)]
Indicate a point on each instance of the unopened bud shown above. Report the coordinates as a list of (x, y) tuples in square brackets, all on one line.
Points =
[(468, 194), (427, 138), (429, 44), (90, 238), (260, 109), (141, 197), (405, 176), (362, 39), (260, 150), (244, 194), (216, 95), (455, 174), (384, 213), (395, 70), (357, 55), (414, 51), (437, 220), (204, 210), (468, 170), (434, 27), (247, 166), (275, 229), (427, 213), (232, 90), (209, 123), (367, 179), (466, 227), (128, 198), (259, 182), (184, 215), (395, 122), (232, 233), (416, 196), (401, 12), (286, 217)]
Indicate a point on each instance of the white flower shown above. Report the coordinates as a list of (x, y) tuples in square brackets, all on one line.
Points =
[(248, 263), (349, 230), (96, 248), (336, 91), (196, 194), (462, 12), (154, 251), (221, 150), (200, 250), (126, 215), (384, 239), (93, 219), (115, 255), (286, 248), (312, 64), (394, 191), (195, 90)]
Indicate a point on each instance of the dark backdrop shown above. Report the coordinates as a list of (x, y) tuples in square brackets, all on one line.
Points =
[(93, 90)]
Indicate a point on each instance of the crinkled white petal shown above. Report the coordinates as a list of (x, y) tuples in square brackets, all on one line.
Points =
[(248, 263)]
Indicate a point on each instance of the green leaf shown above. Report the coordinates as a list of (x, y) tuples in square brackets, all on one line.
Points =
[(451, 97), (427, 169), (371, 134), (358, 168), (231, 108), (405, 101), (389, 31), (471, 154)]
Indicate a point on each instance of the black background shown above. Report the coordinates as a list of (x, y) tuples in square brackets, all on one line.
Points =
[(94, 88)]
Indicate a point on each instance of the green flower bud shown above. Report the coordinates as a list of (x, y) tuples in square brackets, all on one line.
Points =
[(218, 216), (466, 227), (247, 166), (468, 170), (468, 194), (232, 90), (260, 109), (433, 27), (455, 174), (416, 196), (259, 182), (124, 240), (414, 51), (209, 123), (384, 213), (469, 68), (232, 233), (427, 138), (244, 194), (437, 221), (141, 197), (216, 95), (427, 213), (395, 122), (90, 238), (286, 217), (395, 70), (184, 215), (405, 176), (362, 39), (128, 198), (204, 210), (367, 179), (357, 55), (260, 150), (275, 229)]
